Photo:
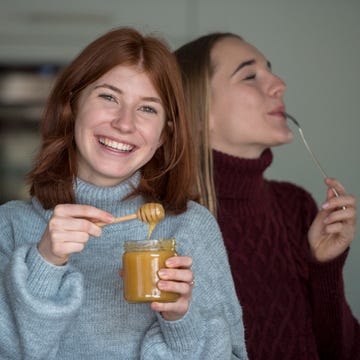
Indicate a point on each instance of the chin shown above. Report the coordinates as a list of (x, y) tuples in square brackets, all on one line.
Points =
[(290, 138), (284, 141), (286, 138)]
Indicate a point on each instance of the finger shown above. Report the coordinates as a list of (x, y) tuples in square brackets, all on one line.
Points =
[(171, 311), (335, 228), (179, 306), (342, 234), (347, 201), (82, 211), (67, 248), (181, 275), (71, 225), (182, 288), (348, 215), (179, 262), (333, 183), (70, 236)]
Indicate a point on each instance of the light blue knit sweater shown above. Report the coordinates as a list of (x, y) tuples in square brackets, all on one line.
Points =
[(77, 311)]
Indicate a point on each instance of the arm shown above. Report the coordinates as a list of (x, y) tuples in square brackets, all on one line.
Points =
[(337, 331), (212, 327), (38, 300)]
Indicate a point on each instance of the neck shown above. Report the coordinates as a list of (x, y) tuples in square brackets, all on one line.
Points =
[(239, 178), (106, 198)]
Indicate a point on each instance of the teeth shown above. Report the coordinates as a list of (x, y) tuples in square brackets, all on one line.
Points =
[(115, 145)]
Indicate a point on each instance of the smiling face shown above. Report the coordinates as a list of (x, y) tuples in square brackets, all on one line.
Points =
[(118, 126), (246, 110)]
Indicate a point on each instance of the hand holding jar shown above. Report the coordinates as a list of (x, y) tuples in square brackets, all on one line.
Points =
[(152, 272), (176, 277)]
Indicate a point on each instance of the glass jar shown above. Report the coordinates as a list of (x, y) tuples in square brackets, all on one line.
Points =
[(142, 260)]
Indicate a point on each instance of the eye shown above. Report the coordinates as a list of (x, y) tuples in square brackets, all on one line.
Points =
[(107, 97), (250, 77), (148, 109)]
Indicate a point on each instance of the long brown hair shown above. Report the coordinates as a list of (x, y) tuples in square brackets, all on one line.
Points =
[(169, 176), (197, 69)]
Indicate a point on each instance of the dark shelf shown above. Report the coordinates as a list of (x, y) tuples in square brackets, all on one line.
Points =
[(24, 89)]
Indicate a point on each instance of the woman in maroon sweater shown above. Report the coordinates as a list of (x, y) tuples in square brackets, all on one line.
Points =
[(286, 256)]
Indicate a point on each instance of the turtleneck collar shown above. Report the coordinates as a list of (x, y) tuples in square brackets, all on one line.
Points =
[(106, 198), (239, 178)]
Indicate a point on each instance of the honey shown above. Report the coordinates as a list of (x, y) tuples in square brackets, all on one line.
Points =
[(151, 213), (142, 260)]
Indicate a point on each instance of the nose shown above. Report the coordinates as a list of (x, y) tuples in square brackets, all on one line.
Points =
[(277, 87), (124, 121)]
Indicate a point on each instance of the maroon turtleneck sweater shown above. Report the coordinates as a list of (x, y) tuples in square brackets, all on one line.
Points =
[(293, 307)]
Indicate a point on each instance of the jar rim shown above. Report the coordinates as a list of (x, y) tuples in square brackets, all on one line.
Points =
[(149, 245)]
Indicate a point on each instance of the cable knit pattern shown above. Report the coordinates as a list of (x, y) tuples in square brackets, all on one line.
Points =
[(77, 311), (293, 307)]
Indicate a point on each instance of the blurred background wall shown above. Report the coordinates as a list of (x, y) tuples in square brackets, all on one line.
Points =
[(313, 45)]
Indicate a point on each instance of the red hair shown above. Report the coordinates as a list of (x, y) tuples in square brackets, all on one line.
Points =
[(169, 176)]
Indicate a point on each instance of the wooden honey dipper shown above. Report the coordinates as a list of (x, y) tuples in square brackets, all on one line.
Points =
[(150, 213)]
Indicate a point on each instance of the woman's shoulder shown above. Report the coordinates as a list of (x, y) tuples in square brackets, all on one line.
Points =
[(196, 217), (15, 205), (289, 189), (194, 209), (292, 196), (21, 211), (196, 230)]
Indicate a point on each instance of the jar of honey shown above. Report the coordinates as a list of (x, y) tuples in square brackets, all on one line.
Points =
[(142, 260)]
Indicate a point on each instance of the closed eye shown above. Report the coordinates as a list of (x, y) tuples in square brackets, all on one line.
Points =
[(250, 77)]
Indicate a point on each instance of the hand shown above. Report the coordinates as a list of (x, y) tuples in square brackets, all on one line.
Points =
[(69, 230), (333, 229), (177, 278)]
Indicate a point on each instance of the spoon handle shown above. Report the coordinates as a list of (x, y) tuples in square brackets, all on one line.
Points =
[(118, 219), (314, 158)]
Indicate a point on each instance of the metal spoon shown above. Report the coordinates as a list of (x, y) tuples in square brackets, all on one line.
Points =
[(316, 161)]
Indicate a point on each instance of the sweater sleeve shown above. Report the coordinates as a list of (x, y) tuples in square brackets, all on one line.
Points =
[(212, 328), (38, 301), (337, 331)]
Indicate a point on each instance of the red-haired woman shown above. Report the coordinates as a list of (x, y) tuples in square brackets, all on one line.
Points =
[(114, 136)]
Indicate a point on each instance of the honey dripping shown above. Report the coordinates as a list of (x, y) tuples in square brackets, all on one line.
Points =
[(151, 213)]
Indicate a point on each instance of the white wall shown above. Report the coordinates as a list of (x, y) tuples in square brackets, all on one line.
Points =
[(312, 45)]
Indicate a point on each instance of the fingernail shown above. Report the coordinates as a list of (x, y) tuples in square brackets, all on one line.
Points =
[(162, 273), (325, 205), (169, 262), (161, 285)]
